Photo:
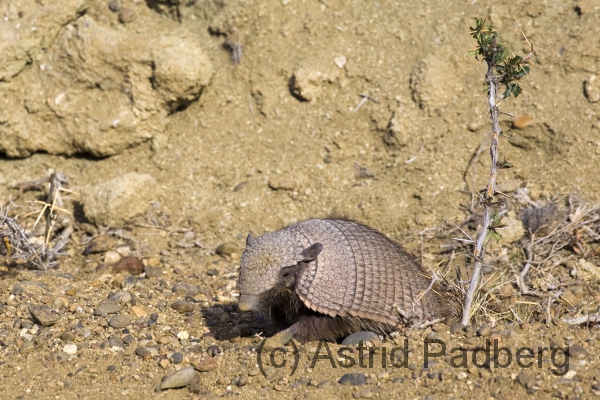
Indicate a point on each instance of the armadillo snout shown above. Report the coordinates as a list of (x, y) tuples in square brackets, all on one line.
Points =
[(247, 302)]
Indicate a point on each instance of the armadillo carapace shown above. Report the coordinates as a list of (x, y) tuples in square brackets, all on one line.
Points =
[(328, 278)]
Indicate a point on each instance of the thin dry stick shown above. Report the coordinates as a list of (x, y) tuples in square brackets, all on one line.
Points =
[(512, 70), (489, 194)]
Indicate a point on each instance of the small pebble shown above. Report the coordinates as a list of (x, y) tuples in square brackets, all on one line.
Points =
[(187, 289), (62, 357), (114, 6), (26, 348), (114, 341), (208, 364), (355, 379), (119, 321), (130, 264), (340, 61), (100, 244), (325, 384), (212, 272), (213, 350), (107, 307), (227, 249), (522, 122), (111, 257), (591, 88), (358, 337), (70, 349), (67, 336), (522, 378), (183, 335), (126, 15), (179, 379), (176, 357), (456, 328), (484, 331), (182, 306), (43, 315), (577, 351), (143, 352)]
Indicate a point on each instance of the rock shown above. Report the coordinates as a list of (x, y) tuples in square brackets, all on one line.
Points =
[(213, 350), (227, 249), (358, 337), (307, 83), (183, 335), (144, 353), (115, 202), (522, 122), (325, 384), (114, 6), (107, 307), (126, 15), (242, 381), (115, 342), (70, 349), (212, 272), (179, 379), (121, 87), (456, 328), (340, 61), (139, 311), (186, 289), (17, 46), (207, 364), (100, 244), (578, 352), (355, 379), (67, 336), (591, 87), (176, 358), (62, 357), (111, 257), (484, 331), (154, 272), (182, 306), (522, 378), (17, 289), (119, 321), (43, 315), (130, 264), (26, 348)]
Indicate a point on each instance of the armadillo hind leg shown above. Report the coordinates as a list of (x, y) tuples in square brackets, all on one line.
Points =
[(310, 328)]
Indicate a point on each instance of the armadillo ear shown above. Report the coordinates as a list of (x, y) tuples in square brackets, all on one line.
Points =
[(312, 252), (249, 239)]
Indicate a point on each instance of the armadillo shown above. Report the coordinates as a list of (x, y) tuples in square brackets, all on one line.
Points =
[(328, 278)]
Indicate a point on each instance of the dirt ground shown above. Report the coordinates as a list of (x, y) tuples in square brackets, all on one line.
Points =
[(265, 125)]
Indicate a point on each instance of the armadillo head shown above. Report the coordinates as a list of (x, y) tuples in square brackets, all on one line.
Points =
[(261, 264)]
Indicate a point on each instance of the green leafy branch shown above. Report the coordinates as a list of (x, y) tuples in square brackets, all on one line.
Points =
[(508, 70)]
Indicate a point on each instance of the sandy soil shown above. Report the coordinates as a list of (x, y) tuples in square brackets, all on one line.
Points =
[(279, 137)]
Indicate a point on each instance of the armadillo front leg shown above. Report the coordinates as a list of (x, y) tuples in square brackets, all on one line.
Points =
[(308, 328)]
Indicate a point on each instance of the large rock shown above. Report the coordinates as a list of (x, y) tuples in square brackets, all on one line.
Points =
[(307, 83), (27, 27), (115, 202), (93, 86)]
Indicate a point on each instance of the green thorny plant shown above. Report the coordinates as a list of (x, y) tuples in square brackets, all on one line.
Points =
[(507, 71)]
